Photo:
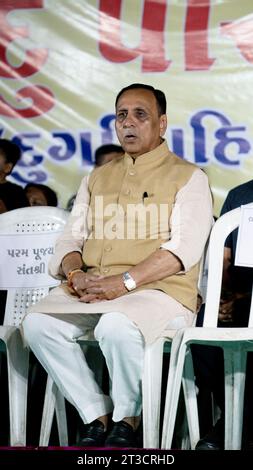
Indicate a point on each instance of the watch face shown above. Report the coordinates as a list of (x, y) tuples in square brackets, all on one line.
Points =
[(129, 282)]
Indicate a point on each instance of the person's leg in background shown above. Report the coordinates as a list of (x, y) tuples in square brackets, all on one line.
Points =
[(209, 372), (241, 317)]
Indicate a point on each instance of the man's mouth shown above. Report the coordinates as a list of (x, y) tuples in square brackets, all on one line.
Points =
[(130, 137)]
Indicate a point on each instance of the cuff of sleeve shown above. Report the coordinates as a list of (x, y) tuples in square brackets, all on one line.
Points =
[(178, 253), (54, 266)]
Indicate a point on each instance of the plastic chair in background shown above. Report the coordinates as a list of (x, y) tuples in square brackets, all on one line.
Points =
[(235, 342), (152, 383), (34, 222)]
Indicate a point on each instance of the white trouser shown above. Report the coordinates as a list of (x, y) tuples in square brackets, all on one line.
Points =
[(53, 339)]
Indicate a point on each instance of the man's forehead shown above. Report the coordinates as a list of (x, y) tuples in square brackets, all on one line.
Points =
[(136, 98)]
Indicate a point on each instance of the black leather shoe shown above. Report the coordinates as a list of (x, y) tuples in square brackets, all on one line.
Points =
[(214, 440), (122, 435), (93, 435)]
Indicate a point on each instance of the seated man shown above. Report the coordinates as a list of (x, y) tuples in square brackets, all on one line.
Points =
[(234, 311), (12, 196), (40, 195), (107, 152), (130, 254)]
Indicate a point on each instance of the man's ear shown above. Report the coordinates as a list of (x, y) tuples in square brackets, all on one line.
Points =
[(163, 124), (8, 168)]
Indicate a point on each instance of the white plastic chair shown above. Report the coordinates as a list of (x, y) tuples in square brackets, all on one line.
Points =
[(152, 380), (235, 342), (28, 220), (151, 390)]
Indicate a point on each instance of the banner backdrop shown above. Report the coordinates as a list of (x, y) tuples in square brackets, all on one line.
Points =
[(62, 62)]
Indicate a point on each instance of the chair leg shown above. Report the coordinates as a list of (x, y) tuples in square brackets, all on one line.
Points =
[(151, 393), (54, 400), (61, 418), (216, 412), (235, 370), (184, 434), (17, 363), (191, 400), (181, 439), (177, 357)]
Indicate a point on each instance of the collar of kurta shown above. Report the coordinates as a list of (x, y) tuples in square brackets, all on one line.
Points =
[(149, 158)]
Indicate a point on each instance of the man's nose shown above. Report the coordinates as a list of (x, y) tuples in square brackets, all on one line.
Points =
[(129, 121)]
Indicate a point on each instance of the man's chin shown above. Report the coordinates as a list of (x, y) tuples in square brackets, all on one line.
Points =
[(132, 149)]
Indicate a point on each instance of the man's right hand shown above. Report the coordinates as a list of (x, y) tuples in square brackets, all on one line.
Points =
[(79, 281)]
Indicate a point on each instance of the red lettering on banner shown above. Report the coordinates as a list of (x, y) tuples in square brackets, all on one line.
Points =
[(242, 33), (196, 35), (151, 47), (42, 101), (35, 58)]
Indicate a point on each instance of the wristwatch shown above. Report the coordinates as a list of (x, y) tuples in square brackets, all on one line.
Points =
[(129, 281)]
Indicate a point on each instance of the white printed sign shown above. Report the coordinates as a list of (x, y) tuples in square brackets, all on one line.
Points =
[(244, 246), (24, 260)]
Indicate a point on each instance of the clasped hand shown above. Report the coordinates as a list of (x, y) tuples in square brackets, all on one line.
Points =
[(226, 309), (90, 288)]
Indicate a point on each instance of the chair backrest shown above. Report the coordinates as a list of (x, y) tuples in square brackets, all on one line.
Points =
[(203, 272), (28, 220), (221, 229)]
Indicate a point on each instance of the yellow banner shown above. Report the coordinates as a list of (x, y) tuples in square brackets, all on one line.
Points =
[(62, 62)]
